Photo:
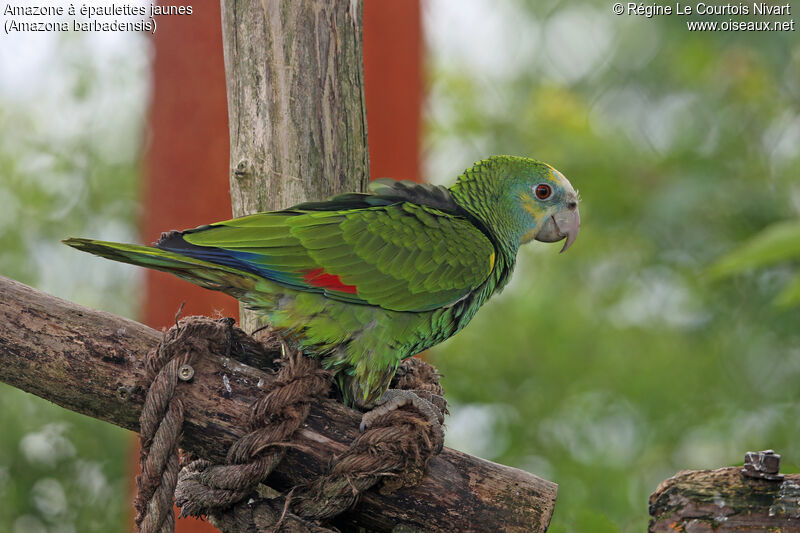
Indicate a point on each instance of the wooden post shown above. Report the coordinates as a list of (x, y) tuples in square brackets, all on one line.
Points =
[(297, 119)]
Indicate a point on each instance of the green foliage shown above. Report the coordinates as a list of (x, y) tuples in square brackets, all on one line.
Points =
[(605, 369), (60, 471), (70, 128), (610, 367), (776, 243)]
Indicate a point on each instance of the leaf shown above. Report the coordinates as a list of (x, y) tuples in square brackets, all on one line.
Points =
[(773, 244), (790, 295)]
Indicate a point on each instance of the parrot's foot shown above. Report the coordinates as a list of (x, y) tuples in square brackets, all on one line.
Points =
[(426, 403)]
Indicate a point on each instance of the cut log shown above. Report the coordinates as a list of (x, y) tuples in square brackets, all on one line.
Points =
[(724, 500), (92, 362)]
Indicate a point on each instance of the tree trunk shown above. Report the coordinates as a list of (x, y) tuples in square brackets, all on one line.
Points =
[(92, 362), (725, 501), (296, 110)]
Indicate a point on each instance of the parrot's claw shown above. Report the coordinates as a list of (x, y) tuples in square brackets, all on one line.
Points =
[(437, 402), (424, 402)]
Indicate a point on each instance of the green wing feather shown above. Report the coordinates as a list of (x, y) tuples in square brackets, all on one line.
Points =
[(401, 257)]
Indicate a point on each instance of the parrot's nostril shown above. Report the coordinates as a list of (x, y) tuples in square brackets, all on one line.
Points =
[(572, 204)]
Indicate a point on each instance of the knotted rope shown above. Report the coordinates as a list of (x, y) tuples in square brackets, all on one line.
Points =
[(161, 420), (273, 419), (396, 448)]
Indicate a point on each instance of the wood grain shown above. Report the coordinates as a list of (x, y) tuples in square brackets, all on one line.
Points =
[(725, 501)]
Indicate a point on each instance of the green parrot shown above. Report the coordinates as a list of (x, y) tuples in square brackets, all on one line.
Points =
[(364, 281)]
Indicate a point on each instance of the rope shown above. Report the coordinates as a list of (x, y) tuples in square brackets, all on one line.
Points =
[(161, 421), (396, 448), (273, 419)]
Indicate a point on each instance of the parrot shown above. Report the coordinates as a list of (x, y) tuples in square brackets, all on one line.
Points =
[(363, 281)]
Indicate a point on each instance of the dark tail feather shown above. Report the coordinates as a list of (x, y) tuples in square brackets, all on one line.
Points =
[(208, 275)]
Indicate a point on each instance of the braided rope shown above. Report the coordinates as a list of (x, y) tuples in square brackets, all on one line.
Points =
[(161, 422)]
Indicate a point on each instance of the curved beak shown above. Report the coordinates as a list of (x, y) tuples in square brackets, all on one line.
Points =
[(563, 225)]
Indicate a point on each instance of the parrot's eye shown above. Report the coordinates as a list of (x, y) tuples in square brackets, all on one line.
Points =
[(543, 191)]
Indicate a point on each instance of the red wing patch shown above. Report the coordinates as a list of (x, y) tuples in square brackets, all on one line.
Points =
[(319, 278)]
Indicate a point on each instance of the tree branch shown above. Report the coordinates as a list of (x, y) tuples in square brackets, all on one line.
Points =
[(92, 362), (725, 501)]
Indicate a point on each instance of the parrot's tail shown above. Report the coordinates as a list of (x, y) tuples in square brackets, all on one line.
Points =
[(209, 275)]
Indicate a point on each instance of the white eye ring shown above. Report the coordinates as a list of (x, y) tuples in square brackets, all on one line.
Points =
[(543, 191)]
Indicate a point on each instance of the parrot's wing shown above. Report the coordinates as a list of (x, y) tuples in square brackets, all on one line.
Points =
[(402, 257)]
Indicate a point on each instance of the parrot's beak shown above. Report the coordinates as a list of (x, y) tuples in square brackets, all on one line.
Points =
[(563, 225)]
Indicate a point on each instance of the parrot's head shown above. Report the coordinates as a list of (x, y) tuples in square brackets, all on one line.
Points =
[(521, 200)]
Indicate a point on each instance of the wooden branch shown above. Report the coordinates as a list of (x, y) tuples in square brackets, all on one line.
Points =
[(91, 362), (297, 119), (725, 501)]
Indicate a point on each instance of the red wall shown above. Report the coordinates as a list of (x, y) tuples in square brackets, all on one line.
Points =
[(186, 161), (393, 86)]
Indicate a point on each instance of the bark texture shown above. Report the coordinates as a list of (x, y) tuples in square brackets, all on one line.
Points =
[(725, 501), (91, 362), (297, 119)]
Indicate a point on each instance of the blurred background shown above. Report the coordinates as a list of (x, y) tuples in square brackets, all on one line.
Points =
[(667, 338)]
